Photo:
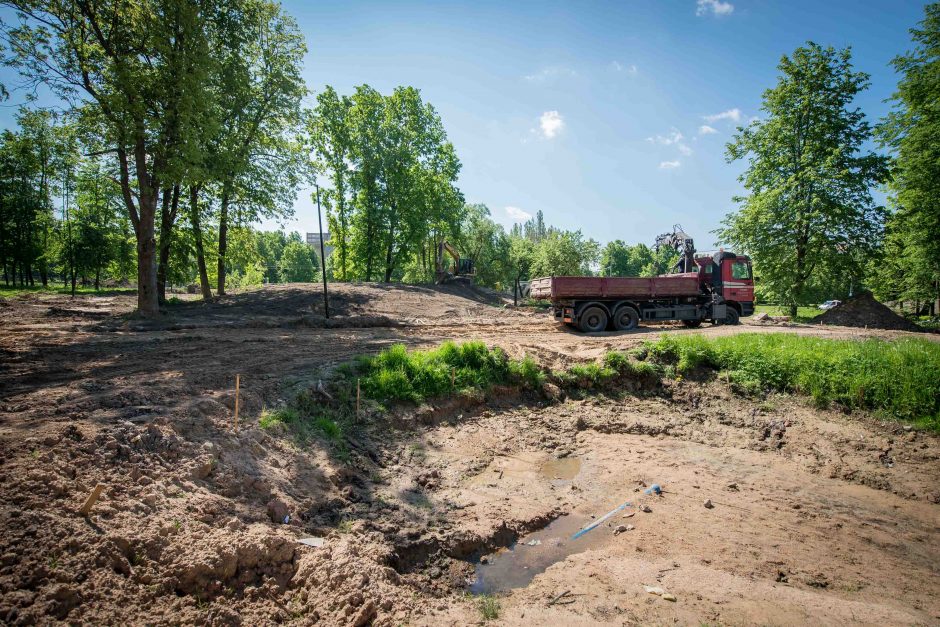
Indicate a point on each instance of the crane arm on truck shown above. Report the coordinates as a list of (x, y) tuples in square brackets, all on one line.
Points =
[(681, 242)]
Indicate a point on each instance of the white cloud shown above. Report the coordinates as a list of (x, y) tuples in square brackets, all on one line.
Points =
[(517, 214), (731, 114), (669, 165), (631, 69), (551, 72), (673, 137), (684, 149), (551, 124), (705, 129), (715, 7)]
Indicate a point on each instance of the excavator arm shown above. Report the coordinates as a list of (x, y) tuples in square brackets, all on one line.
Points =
[(681, 242)]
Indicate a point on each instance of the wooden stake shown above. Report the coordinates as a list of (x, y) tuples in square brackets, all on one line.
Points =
[(357, 399), (237, 382), (453, 377), (86, 508)]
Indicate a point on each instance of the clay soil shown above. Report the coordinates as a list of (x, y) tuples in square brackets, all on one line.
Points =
[(817, 516)]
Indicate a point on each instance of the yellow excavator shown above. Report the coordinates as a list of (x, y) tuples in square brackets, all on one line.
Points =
[(460, 268)]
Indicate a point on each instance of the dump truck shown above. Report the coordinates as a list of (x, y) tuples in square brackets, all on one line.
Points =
[(719, 288)]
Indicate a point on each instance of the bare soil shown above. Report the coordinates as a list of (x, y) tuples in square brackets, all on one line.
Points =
[(864, 311), (817, 516)]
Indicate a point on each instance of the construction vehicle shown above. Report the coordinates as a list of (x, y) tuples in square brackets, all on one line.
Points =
[(461, 267), (718, 287)]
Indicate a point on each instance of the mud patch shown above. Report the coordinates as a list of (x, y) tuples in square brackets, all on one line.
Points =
[(517, 565), (563, 468)]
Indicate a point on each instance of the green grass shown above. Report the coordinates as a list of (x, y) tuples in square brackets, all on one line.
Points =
[(614, 366), (899, 378), (803, 314), (399, 374), (488, 606), (306, 426)]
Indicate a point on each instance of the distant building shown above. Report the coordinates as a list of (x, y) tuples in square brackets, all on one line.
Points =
[(313, 239)]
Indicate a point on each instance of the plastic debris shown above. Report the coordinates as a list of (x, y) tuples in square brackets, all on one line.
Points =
[(534, 542), (653, 489), (655, 590), (312, 541), (600, 520)]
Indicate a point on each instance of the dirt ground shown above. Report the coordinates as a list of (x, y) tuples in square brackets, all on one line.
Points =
[(816, 516)]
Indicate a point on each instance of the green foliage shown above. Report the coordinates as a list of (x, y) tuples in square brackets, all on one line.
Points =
[(399, 374), (620, 259), (900, 378), (809, 216), (297, 263), (489, 607), (911, 263)]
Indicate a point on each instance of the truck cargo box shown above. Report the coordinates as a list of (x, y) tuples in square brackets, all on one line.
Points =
[(581, 287)]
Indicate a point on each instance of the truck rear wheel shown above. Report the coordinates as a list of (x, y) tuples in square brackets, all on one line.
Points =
[(692, 324), (626, 319), (732, 316), (593, 319)]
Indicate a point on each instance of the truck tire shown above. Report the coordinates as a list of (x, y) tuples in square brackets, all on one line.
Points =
[(732, 316), (593, 319), (626, 319), (692, 324)]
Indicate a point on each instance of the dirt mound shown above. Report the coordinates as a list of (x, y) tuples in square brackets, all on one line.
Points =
[(865, 311)]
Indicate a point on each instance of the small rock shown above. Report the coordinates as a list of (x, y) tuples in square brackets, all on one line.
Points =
[(278, 511), (534, 542), (708, 504), (629, 515), (620, 529), (655, 590), (484, 560), (669, 597), (645, 509), (434, 572)]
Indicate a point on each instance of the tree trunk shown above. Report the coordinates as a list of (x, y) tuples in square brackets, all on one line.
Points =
[(197, 235), (223, 234), (167, 221)]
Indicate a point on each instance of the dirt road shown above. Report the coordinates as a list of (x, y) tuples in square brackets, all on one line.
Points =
[(817, 516)]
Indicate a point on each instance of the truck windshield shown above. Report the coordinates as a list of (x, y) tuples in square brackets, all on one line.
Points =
[(740, 270)]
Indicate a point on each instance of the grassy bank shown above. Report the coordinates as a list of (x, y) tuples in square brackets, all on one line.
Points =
[(899, 378), (399, 374), (803, 314)]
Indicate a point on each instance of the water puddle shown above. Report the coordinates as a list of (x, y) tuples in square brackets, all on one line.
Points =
[(517, 566), (564, 468)]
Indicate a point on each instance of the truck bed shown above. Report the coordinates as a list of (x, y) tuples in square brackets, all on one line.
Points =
[(591, 287)]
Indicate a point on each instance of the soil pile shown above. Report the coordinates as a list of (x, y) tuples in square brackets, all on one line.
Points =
[(865, 311)]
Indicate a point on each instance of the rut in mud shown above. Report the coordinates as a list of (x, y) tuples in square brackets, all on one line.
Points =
[(816, 514)]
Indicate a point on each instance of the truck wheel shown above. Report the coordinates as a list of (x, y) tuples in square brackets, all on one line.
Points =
[(732, 317), (593, 320), (626, 319), (692, 324)]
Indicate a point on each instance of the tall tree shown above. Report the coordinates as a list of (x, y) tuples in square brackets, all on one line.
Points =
[(141, 66), (809, 207), (912, 132)]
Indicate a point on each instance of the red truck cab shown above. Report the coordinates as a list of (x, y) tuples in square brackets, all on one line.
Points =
[(733, 275)]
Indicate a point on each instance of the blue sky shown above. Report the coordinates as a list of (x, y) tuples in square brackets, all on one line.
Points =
[(593, 112)]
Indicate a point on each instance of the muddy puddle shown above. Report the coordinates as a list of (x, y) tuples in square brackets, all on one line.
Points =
[(517, 566), (564, 468)]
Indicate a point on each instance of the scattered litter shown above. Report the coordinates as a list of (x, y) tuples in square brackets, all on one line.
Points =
[(645, 509), (629, 515), (669, 597), (622, 528), (708, 504), (655, 590), (312, 541), (534, 542), (653, 489), (558, 598), (600, 520)]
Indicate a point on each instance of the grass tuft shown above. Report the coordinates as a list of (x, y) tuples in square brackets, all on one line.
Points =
[(900, 378), (488, 606), (399, 374)]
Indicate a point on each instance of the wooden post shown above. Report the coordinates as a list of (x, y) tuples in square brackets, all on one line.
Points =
[(453, 377), (357, 399), (90, 502), (237, 382)]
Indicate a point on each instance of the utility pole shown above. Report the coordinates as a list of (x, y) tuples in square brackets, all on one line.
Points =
[(326, 297)]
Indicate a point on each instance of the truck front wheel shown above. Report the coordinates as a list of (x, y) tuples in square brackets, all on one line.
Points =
[(692, 324), (593, 320), (626, 319)]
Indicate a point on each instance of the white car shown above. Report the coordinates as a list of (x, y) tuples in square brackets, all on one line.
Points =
[(829, 304)]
